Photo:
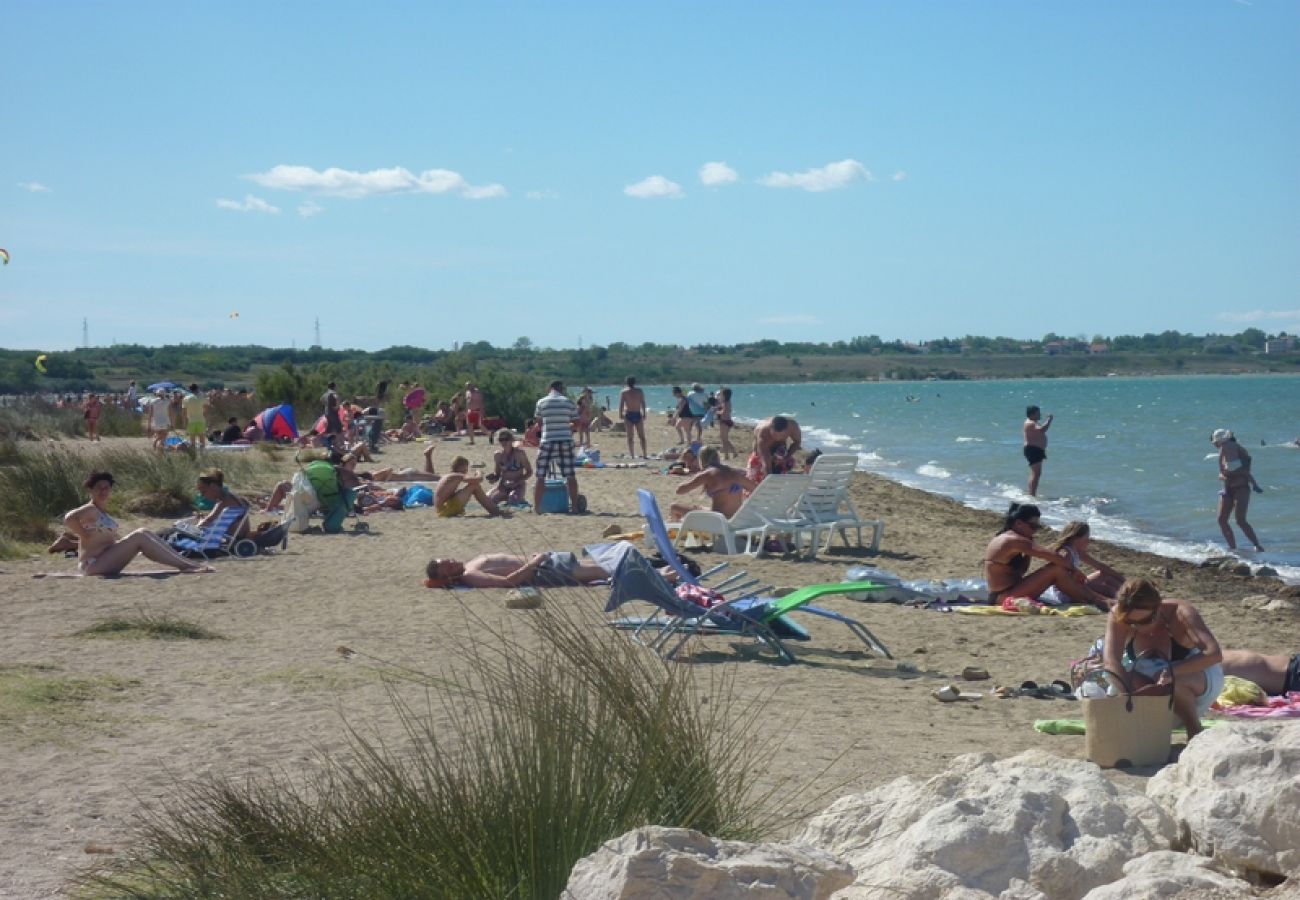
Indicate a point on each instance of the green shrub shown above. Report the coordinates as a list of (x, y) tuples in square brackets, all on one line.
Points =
[(550, 750)]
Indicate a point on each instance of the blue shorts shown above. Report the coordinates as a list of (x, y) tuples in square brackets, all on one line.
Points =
[(632, 417)]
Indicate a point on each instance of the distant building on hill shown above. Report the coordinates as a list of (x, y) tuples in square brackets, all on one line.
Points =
[(1098, 348), (1281, 344)]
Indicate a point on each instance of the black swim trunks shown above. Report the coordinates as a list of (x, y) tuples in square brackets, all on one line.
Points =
[(1292, 680), (1035, 455), (632, 416)]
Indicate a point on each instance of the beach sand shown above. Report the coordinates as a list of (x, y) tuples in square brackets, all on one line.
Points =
[(276, 692)]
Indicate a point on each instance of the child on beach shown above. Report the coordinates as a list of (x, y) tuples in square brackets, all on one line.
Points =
[(1073, 545), (456, 489)]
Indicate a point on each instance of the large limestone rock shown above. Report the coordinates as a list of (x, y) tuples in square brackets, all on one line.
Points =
[(1031, 826), (1167, 875), (1235, 792), (658, 863)]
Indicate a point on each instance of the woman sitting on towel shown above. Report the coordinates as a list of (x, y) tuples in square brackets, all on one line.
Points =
[(1006, 563), (725, 487), (1073, 545), (102, 552), (1165, 642)]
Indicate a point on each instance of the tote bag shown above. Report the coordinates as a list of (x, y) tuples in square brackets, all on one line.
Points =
[(1128, 730)]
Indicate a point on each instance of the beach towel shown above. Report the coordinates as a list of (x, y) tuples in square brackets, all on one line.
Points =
[(1286, 706), (1076, 726), (1064, 611)]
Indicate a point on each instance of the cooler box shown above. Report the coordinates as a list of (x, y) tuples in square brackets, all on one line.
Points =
[(555, 496)]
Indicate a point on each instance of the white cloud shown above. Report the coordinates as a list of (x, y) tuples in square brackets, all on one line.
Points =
[(310, 208), (828, 178), (1261, 315), (790, 320), (900, 175), (34, 186), (716, 174), (654, 188), (547, 194), (249, 204), (397, 180)]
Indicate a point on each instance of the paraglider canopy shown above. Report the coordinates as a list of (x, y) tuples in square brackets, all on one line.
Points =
[(40, 363)]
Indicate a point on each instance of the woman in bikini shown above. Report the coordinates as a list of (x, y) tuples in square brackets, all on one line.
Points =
[(725, 424), (1234, 472), (102, 552), (586, 412), (512, 469), (1073, 545), (724, 486), (1007, 558), (1164, 642), (683, 419)]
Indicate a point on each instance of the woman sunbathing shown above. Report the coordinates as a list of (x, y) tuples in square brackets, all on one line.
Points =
[(102, 552), (1073, 545), (725, 487), (1007, 558), (212, 487)]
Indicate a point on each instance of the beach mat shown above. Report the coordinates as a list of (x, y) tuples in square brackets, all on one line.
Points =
[(1069, 612), (148, 573)]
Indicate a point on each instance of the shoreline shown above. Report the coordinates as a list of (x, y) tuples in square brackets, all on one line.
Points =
[(275, 691)]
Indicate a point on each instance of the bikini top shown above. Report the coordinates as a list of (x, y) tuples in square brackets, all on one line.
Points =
[(733, 488), (1176, 650), (103, 522)]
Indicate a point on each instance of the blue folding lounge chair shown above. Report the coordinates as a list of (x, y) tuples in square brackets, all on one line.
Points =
[(218, 538), (632, 577), (770, 609)]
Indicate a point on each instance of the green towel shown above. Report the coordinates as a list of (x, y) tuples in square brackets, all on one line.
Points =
[(1076, 726)]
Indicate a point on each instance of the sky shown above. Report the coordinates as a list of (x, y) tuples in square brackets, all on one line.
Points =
[(585, 173)]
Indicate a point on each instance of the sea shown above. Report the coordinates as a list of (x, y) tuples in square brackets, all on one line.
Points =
[(1131, 456)]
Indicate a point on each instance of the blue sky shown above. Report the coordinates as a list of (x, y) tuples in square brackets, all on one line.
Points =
[(432, 173)]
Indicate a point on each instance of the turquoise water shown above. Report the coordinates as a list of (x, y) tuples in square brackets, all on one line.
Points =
[(1130, 455)]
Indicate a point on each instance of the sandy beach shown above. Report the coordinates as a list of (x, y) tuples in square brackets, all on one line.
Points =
[(275, 692)]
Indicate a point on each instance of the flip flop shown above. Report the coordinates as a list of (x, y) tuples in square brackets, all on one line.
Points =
[(1060, 690), (950, 693), (1030, 689)]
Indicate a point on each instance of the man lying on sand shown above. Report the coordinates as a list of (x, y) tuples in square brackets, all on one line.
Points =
[(1277, 675), (507, 570)]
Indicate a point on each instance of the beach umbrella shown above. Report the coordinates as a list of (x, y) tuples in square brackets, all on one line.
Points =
[(163, 386)]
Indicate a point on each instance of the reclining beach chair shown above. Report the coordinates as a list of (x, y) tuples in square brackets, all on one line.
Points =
[(217, 539), (767, 512), (827, 507), (632, 578), (766, 610)]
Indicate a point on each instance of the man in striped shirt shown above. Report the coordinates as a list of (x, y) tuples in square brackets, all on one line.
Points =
[(556, 411)]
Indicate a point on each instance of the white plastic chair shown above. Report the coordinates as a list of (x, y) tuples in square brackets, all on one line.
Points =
[(768, 511), (826, 504)]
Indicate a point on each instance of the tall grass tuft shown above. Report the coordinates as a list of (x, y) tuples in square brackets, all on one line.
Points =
[(147, 624), (551, 748)]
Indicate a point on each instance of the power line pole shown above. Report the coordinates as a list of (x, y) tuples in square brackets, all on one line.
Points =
[(318, 331), (85, 333)]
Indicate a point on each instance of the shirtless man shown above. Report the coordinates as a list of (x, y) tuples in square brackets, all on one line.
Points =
[(1277, 675), (1007, 558), (1035, 445), (456, 489), (631, 409), (724, 486), (473, 409), (775, 442), (508, 570)]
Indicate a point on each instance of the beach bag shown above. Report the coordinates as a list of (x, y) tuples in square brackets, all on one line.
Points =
[(418, 495), (1128, 730)]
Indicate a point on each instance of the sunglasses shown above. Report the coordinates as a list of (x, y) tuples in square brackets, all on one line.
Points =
[(1146, 620)]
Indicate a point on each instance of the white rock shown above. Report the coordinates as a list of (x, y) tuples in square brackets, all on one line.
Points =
[(1255, 601), (1031, 826), (657, 863), (1166, 875), (1235, 792), (1281, 604)]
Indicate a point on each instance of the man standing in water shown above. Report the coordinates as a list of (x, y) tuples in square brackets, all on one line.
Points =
[(1035, 445), (631, 409)]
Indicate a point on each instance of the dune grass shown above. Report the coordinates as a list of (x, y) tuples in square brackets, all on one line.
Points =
[(148, 625), (526, 759)]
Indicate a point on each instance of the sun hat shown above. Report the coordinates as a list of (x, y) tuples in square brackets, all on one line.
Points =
[(1220, 435)]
